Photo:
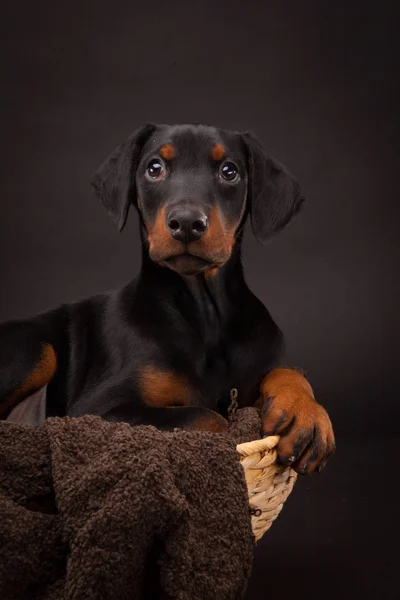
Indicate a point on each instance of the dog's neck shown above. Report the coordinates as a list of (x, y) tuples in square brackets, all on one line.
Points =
[(209, 299)]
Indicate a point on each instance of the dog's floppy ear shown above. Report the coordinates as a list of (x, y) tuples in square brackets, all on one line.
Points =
[(274, 194), (114, 180)]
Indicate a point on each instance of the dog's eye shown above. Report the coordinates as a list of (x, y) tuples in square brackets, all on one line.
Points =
[(155, 170), (229, 172)]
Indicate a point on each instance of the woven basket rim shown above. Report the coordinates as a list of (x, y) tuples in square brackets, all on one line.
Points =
[(268, 483), (248, 448)]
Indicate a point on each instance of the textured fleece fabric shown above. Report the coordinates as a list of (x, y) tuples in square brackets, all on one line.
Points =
[(97, 510)]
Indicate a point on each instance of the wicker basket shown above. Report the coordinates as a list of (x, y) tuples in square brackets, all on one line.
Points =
[(268, 483)]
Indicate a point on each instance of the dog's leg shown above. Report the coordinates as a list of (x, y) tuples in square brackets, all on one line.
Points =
[(289, 409), (27, 362)]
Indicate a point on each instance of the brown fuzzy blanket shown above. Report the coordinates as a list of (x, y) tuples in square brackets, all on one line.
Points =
[(98, 510)]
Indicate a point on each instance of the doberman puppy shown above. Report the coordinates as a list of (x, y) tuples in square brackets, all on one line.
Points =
[(168, 348)]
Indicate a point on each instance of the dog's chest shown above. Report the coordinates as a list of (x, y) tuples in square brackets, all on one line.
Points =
[(202, 351), (193, 374)]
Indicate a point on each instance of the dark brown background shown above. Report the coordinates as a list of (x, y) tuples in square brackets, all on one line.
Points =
[(318, 83)]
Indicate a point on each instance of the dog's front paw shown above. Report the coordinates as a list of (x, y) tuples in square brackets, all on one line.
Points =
[(307, 440)]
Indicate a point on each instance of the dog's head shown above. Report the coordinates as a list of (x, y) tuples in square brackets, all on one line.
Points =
[(193, 186)]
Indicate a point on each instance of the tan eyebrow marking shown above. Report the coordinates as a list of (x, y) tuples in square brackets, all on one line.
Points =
[(168, 151), (218, 152)]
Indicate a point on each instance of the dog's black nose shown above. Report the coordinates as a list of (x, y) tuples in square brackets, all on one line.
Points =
[(187, 224)]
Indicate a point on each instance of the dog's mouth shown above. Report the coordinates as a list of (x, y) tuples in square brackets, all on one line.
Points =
[(188, 264)]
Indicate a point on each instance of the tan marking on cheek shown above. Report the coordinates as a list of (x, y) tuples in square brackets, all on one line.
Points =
[(42, 373), (218, 152), (218, 239), (158, 231), (168, 152), (164, 388), (161, 243), (215, 227)]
